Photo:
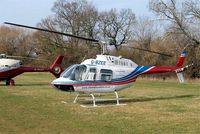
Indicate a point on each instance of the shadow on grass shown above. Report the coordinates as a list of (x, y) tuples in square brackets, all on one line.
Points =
[(142, 99)]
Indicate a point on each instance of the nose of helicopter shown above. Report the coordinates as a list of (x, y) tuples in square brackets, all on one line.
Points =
[(61, 85), (57, 81)]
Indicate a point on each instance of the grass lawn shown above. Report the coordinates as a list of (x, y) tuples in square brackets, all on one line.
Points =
[(153, 106)]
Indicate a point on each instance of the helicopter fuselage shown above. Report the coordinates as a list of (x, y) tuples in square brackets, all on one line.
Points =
[(103, 74), (108, 74)]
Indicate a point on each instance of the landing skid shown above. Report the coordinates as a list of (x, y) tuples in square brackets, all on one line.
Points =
[(91, 106), (64, 102), (94, 100)]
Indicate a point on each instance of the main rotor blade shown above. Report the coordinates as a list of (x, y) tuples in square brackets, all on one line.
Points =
[(149, 51), (83, 38), (56, 32)]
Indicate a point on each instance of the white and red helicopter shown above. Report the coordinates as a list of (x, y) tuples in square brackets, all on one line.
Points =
[(106, 73), (109, 74), (10, 68)]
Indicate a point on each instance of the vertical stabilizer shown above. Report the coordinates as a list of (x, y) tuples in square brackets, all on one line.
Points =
[(56, 67), (180, 64), (181, 59)]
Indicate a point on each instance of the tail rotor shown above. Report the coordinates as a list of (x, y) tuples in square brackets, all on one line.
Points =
[(56, 67)]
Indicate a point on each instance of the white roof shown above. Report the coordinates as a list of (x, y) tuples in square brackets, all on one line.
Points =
[(108, 60)]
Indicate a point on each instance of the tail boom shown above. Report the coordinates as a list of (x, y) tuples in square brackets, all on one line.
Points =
[(55, 68), (164, 69), (160, 69)]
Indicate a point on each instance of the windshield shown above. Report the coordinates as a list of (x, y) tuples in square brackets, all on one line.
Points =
[(68, 71), (75, 72)]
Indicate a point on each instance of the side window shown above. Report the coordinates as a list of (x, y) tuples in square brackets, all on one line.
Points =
[(91, 76), (106, 74)]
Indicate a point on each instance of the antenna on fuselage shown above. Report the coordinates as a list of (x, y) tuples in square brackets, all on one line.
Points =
[(103, 47)]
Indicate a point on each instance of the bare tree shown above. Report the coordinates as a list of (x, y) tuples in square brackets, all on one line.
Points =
[(177, 15), (184, 20), (192, 8), (48, 43), (14, 41), (77, 17), (116, 26), (145, 31)]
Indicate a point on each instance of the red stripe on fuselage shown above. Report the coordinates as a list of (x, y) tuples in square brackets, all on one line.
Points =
[(161, 69)]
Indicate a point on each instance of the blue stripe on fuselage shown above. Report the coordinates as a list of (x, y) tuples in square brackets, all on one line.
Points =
[(139, 70)]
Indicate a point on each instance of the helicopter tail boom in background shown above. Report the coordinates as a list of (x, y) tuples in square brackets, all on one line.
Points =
[(55, 68), (11, 68)]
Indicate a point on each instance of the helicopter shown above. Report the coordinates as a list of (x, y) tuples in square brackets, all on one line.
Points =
[(109, 73), (10, 68), (106, 73)]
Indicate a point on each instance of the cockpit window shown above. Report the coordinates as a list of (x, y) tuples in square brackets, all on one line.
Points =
[(80, 72), (68, 71), (75, 72)]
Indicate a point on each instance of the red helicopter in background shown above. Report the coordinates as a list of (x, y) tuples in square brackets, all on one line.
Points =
[(10, 68)]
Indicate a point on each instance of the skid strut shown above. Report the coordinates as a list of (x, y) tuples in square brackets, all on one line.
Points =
[(76, 98), (117, 99), (94, 100)]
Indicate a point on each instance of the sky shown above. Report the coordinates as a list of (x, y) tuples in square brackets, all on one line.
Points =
[(31, 12)]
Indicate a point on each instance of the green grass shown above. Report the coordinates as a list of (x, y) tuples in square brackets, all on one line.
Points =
[(153, 106)]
